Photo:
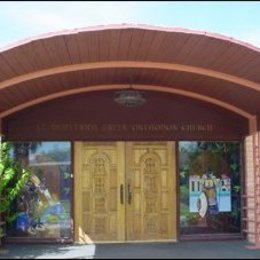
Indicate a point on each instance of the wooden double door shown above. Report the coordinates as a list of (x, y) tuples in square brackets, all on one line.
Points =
[(124, 191)]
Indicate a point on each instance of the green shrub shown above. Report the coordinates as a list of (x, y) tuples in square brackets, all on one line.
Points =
[(13, 177)]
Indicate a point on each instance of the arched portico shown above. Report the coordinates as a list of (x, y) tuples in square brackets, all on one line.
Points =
[(211, 80)]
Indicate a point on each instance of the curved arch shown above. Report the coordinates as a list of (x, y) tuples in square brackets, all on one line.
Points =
[(131, 64), (193, 95), (98, 155), (149, 155), (96, 28)]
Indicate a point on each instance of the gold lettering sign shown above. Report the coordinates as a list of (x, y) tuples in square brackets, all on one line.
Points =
[(124, 128)]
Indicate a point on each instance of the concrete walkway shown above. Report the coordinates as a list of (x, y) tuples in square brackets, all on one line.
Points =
[(235, 249)]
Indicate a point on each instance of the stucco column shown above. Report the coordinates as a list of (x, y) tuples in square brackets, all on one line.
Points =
[(251, 196)]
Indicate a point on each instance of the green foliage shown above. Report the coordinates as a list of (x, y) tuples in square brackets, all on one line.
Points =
[(13, 177), (187, 218), (2, 232), (66, 175), (237, 188)]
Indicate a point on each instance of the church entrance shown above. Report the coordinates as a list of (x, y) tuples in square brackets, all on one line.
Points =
[(125, 191)]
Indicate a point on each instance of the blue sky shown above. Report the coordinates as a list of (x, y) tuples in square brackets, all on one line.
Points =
[(22, 19)]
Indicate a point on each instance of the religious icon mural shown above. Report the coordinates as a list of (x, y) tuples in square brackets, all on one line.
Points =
[(209, 194), (210, 190)]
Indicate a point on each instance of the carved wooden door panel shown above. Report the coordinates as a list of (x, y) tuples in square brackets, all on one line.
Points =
[(99, 175), (151, 191), (124, 191)]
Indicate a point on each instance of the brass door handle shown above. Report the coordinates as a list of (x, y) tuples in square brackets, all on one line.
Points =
[(129, 196), (122, 194)]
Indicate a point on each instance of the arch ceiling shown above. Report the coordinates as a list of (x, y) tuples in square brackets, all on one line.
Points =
[(205, 66)]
